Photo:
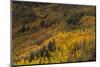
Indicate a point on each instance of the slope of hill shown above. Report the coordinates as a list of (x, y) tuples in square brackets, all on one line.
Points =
[(52, 33)]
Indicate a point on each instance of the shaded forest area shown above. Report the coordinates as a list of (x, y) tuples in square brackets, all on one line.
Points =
[(45, 33)]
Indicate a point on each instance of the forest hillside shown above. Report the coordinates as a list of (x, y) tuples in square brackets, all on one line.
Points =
[(45, 33)]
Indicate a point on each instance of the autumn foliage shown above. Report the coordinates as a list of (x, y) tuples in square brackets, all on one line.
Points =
[(44, 33)]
